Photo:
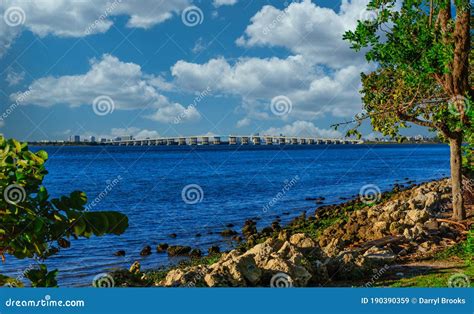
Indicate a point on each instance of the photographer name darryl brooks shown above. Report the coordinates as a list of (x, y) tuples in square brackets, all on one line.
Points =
[(406, 300), (437, 301)]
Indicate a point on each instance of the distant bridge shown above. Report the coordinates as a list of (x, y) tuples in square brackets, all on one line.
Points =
[(232, 140)]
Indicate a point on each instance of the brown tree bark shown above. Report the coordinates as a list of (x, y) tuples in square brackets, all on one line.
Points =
[(455, 143), (444, 17), (460, 70), (460, 87)]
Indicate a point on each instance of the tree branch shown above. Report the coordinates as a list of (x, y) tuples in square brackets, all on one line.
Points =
[(413, 119)]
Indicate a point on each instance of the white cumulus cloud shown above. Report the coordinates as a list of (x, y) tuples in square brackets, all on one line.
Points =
[(312, 91), (72, 18), (321, 76), (125, 83), (307, 29), (303, 128), (218, 3)]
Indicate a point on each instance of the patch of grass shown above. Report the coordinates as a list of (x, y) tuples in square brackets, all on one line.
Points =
[(440, 277), (315, 228), (157, 275), (458, 250), (434, 280)]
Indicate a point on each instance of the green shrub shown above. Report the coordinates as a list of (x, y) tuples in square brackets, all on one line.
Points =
[(32, 225)]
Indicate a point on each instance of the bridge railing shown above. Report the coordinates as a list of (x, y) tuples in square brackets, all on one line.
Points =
[(235, 140)]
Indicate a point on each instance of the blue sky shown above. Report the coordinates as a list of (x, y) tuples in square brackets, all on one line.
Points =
[(142, 68)]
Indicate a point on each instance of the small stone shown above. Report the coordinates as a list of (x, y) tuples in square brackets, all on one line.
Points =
[(120, 253), (237, 238), (431, 224), (408, 234), (380, 254), (146, 251), (196, 253), (267, 231), (417, 216), (228, 233), (178, 250), (214, 250), (162, 247), (135, 267)]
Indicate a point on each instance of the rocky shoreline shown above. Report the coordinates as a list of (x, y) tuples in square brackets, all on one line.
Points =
[(344, 244)]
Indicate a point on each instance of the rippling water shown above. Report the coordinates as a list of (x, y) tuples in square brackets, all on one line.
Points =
[(237, 183)]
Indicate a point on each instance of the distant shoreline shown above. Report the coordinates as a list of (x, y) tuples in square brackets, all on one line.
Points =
[(227, 144)]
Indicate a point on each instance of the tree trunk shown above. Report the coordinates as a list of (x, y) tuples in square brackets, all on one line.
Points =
[(455, 143)]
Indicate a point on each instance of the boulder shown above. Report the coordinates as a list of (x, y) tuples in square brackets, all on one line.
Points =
[(146, 251), (276, 226), (228, 233), (266, 231), (250, 228), (214, 250), (135, 267), (396, 228), (431, 224), (432, 202), (190, 277), (300, 240), (380, 255), (239, 270), (333, 248), (237, 238), (120, 253), (407, 233), (379, 228), (346, 266), (179, 250), (195, 253), (418, 231), (162, 247), (415, 216)]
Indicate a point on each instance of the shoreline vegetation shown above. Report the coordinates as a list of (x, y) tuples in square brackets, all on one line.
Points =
[(401, 238)]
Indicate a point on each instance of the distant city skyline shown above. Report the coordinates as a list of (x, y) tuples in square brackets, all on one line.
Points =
[(180, 67)]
